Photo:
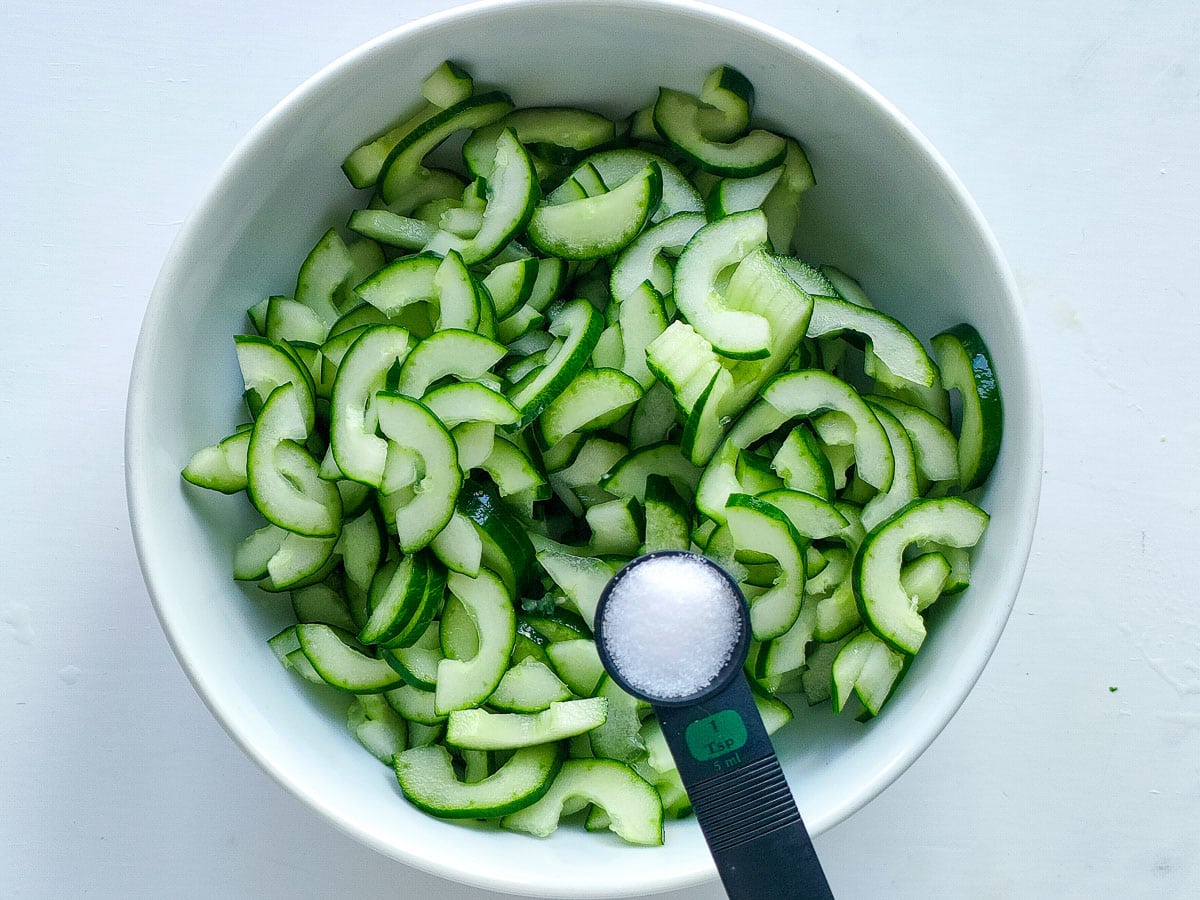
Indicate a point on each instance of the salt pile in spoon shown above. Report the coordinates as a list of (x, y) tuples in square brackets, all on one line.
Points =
[(670, 626)]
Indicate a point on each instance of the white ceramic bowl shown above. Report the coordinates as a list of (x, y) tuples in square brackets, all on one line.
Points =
[(886, 208)]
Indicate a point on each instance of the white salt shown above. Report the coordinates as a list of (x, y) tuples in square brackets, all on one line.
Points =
[(670, 626)]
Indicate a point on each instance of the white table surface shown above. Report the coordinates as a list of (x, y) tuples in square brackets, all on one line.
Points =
[(1073, 770)]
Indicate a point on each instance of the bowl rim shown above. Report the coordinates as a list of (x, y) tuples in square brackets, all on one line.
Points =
[(138, 495)]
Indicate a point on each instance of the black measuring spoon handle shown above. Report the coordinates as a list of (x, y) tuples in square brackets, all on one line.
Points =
[(741, 798)]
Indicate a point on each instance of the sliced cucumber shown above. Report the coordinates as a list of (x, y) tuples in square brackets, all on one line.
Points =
[(282, 478), (427, 778), (462, 684), (477, 729), (678, 118), (420, 510), (633, 806), (885, 608), (592, 227), (966, 365), (343, 666)]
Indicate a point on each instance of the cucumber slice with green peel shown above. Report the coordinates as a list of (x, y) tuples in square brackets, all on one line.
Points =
[(679, 119), (458, 546), (592, 227), (705, 425), (837, 614), (817, 678), (732, 330), (579, 325), (633, 806), (755, 474), (560, 134), (280, 559), (388, 228), (641, 318), (802, 394), (359, 452), (786, 653), (507, 550), (377, 727), (758, 525), (322, 277), (653, 418), (925, 578), (418, 662), (577, 663), (678, 195), (619, 735), (417, 514), (462, 684), (813, 519), (732, 195), (512, 192), (470, 401), (449, 352), (403, 170), (457, 635), (934, 399), (903, 489), (478, 729), (609, 354), (668, 519), (323, 604), (882, 602), (444, 87), (282, 478), (581, 578), (834, 569), (966, 366), (728, 98), (786, 309), (935, 448), (683, 361), (401, 283), (447, 85), (265, 365), (802, 464), (595, 398), (396, 592), (892, 344), (427, 609), (513, 471), (616, 527), (810, 278), (511, 284), (459, 300), (474, 442), (530, 686), (628, 477), (414, 704), (343, 666), (292, 321), (551, 276), (427, 778), (557, 624), (846, 287), (636, 264), (782, 205), (869, 668), (221, 467), (522, 323)]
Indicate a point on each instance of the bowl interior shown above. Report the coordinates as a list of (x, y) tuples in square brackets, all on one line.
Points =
[(885, 209)]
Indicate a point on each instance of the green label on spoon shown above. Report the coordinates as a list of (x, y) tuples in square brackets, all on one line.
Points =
[(716, 735)]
